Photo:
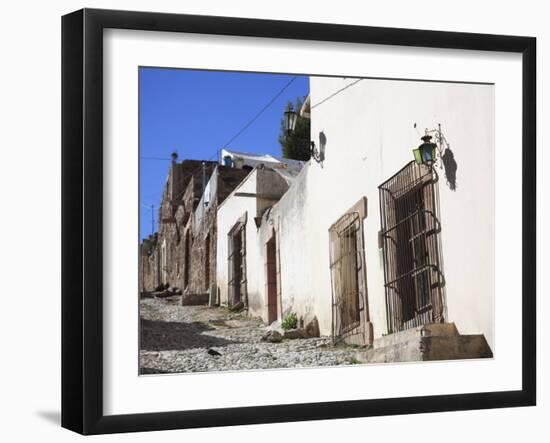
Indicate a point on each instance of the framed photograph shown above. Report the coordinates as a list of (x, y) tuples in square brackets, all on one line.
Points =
[(269, 221)]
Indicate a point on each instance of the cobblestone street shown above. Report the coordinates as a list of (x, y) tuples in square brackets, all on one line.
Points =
[(178, 338)]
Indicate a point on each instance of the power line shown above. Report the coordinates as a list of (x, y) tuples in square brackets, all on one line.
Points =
[(336, 93), (244, 128), (260, 112), (193, 173), (241, 131), (252, 120)]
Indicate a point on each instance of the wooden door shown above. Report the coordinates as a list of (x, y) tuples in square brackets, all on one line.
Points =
[(271, 279)]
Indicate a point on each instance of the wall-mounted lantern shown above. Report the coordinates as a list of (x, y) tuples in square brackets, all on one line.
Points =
[(290, 120), (426, 153), (289, 125)]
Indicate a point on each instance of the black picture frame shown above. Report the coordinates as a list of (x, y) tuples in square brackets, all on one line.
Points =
[(82, 216)]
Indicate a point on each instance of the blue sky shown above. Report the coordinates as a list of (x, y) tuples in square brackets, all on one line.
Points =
[(197, 112)]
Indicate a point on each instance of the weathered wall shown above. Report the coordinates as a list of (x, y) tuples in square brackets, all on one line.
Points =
[(148, 271), (180, 197), (229, 213), (297, 236), (259, 182), (203, 226), (203, 231), (187, 216), (368, 134)]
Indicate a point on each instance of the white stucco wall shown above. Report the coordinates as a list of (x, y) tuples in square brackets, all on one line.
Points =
[(302, 252), (229, 213), (369, 137), (259, 182)]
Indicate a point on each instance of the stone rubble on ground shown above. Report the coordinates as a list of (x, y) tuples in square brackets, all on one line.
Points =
[(272, 336), (177, 338)]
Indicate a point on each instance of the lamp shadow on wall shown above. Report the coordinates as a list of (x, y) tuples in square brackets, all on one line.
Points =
[(450, 165), (322, 147)]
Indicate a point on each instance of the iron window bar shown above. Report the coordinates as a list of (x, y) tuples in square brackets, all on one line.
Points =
[(348, 278), (237, 275), (413, 267)]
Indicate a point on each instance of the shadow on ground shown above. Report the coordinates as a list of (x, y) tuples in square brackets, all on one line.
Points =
[(152, 371), (156, 335)]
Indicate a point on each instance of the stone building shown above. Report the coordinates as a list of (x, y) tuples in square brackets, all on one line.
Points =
[(182, 254), (181, 195), (201, 231), (149, 276)]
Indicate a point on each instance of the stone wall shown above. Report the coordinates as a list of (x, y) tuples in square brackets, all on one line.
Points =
[(204, 228), (162, 263), (183, 252), (148, 264)]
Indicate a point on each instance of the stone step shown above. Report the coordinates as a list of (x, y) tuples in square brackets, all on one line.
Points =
[(427, 343), (435, 329)]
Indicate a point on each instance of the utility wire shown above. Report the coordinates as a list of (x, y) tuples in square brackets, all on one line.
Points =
[(336, 93), (239, 133), (243, 129), (260, 112), (192, 174), (253, 119)]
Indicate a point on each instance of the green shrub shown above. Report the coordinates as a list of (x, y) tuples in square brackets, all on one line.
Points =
[(290, 322)]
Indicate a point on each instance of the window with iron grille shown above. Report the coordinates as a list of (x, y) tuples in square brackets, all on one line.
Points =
[(347, 266), (411, 245), (236, 250)]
